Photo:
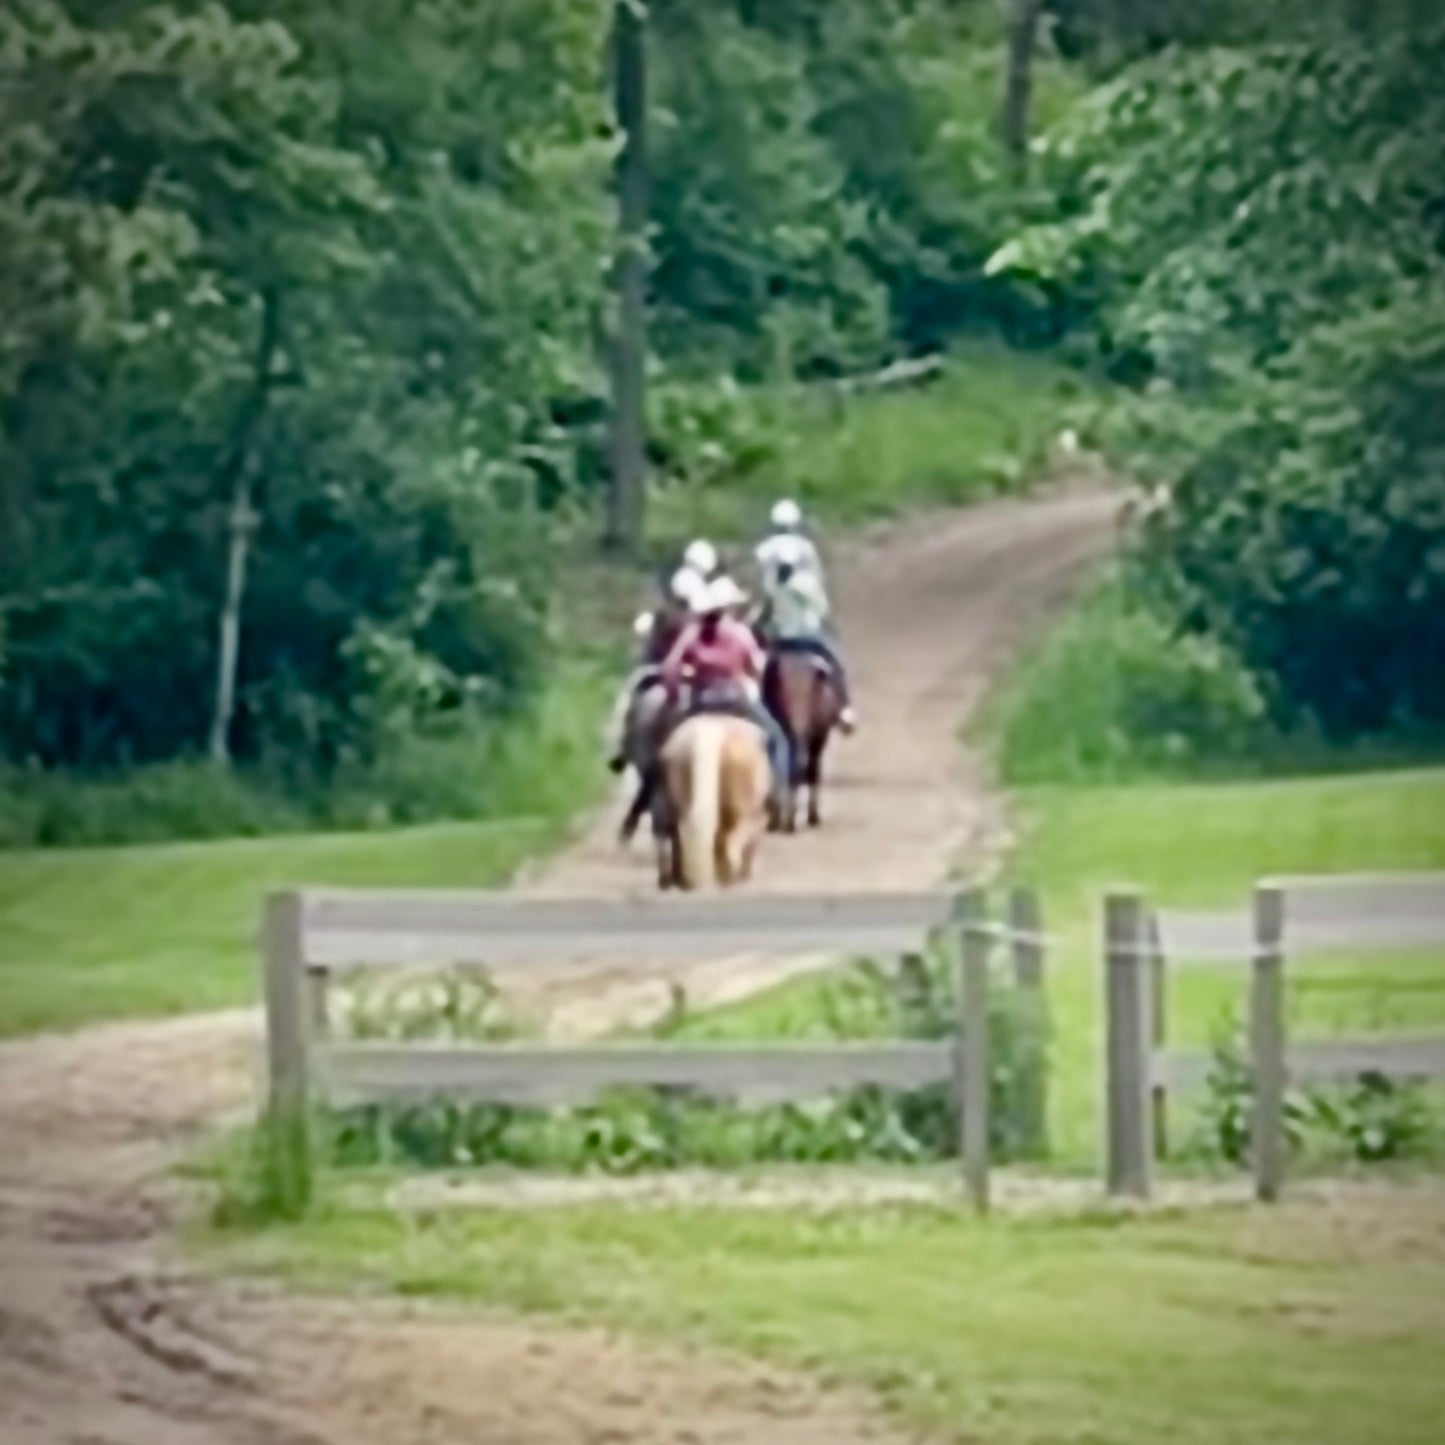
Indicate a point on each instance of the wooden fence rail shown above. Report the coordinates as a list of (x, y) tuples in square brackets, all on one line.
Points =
[(308, 936), (1289, 916)]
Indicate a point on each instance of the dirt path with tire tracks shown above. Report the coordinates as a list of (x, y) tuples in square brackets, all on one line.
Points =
[(106, 1340)]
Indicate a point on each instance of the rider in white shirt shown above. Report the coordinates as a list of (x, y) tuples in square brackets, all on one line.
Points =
[(656, 632), (787, 543), (799, 614)]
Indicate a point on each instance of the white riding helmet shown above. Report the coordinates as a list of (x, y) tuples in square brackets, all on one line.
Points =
[(686, 584), (787, 516), (701, 557)]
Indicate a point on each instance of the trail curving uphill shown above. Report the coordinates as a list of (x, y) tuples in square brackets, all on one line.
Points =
[(928, 610), (103, 1343)]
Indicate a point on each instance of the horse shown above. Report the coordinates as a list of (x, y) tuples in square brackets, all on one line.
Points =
[(802, 693), (647, 715), (715, 785)]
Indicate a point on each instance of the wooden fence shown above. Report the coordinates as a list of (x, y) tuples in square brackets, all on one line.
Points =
[(313, 935), (1306, 915)]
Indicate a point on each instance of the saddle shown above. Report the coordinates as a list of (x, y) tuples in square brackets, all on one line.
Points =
[(729, 699)]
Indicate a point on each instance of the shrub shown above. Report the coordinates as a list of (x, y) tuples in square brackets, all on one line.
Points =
[(632, 1130), (540, 760), (1113, 691), (1306, 528), (1372, 1120), (192, 799)]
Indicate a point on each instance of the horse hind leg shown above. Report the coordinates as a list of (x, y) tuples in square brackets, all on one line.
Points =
[(815, 782)]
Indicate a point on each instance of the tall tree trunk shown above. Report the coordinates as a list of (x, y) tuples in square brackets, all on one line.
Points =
[(236, 479), (1023, 30), (626, 513)]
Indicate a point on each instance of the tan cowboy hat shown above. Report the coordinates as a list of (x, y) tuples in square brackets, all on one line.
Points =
[(718, 596)]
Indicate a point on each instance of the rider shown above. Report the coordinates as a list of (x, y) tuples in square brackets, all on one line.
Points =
[(788, 542), (725, 665), (658, 632), (700, 556), (799, 614)]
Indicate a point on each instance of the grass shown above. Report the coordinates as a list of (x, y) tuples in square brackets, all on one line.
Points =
[(122, 932), (1188, 844), (1304, 1324), (1205, 844), (980, 429), (154, 929)]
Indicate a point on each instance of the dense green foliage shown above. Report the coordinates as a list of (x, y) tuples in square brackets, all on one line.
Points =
[(237, 279), (280, 296), (1110, 694), (315, 326), (1259, 233)]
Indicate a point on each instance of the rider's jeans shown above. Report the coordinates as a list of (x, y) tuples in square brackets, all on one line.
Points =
[(780, 754)]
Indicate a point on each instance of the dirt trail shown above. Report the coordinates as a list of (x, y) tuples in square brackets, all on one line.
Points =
[(928, 609), (103, 1342)]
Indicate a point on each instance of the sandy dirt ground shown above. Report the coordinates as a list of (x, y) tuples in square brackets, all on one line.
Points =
[(106, 1340)]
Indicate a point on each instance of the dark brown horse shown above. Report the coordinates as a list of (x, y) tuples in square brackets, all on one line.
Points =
[(801, 692)]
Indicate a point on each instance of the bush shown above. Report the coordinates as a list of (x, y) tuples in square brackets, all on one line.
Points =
[(1373, 1120), (1113, 692), (193, 799), (631, 1130), (1306, 528), (540, 761)]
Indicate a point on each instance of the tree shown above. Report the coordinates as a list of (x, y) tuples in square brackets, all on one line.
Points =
[(1023, 31), (627, 496), (1260, 232)]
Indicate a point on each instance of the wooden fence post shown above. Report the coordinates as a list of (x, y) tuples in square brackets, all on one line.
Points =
[(1159, 1031), (1128, 1026), (1267, 1042), (971, 1065), (1025, 927), (287, 1022), (318, 991)]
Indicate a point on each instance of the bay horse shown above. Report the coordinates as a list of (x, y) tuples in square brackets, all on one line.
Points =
[(647, 717), (716, 782), (801, 692)]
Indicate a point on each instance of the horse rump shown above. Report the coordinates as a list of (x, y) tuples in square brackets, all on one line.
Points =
[(717, 780)]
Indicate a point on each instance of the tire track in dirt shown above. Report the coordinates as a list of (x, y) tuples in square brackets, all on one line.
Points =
[(104, 1342)]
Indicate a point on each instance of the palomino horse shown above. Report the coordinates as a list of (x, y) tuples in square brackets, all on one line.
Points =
[(715, 781), (802, 693)]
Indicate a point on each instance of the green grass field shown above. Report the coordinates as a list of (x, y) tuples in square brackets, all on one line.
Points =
[(1191, 845), (116, 932), (1205, 845), (1307, 1325)]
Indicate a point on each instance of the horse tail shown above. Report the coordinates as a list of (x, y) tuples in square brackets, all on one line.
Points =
[(697, 829)]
